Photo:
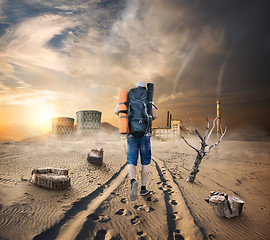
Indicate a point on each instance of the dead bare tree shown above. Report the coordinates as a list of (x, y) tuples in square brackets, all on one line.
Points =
[(203, 150)]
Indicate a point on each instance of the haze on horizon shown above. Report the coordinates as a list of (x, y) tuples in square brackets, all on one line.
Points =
[(58, 57)]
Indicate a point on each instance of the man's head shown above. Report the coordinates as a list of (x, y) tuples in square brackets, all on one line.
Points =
[(140, 84)]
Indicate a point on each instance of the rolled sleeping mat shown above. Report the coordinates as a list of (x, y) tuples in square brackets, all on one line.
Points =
[(150, 95), (123, 120)]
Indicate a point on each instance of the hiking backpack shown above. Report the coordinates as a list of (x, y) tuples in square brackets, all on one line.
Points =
[(138, 117)]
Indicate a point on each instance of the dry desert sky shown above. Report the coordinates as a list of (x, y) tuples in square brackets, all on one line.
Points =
[(58, 57)]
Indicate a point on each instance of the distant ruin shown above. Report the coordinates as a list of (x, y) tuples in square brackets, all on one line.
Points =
[(173, 131)]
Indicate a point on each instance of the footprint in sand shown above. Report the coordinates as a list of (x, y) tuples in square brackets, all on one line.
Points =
[(171, 193), (103, 218), (136, 206), (135, 220), (179, 176), (114, 193), (150, 199), (144, 208), (106, 235), (173, 202), (122, 212), (177, 216), (123, 200), (177, 235), (142, 236)]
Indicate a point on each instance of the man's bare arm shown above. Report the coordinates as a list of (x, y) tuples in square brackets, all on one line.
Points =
[(154, 113), (116, 110)]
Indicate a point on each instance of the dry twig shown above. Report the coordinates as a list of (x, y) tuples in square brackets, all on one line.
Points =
[(203, 150)]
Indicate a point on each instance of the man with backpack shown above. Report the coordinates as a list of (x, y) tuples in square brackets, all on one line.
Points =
[(141, 111)]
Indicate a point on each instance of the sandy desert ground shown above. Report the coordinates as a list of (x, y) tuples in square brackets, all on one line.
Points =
[(97, 205)]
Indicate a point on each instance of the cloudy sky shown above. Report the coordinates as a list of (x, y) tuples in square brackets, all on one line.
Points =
[(61, 56)]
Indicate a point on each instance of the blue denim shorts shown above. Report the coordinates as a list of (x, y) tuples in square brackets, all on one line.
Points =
[(136, 145)]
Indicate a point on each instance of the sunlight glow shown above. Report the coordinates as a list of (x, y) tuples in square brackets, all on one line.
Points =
[(43, 113)]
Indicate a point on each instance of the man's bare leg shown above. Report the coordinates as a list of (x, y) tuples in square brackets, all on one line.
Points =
[(134, 183), (131, 171), (145, 170)]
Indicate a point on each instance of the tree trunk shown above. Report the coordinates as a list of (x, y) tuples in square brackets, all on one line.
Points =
[(224, 205), (53, 178), (95, 156), (236, 205), (195, 168), (203, 150)]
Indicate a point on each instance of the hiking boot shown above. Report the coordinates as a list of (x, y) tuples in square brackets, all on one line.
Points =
[(144, 192), (133, 191)]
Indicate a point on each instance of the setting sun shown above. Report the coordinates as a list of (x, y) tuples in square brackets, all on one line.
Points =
[(42, 116)]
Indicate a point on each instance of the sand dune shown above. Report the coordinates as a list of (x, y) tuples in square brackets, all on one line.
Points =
[(97, 206)]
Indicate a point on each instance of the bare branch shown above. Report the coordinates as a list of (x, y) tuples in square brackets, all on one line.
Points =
[(189, 144), (203, 150), (196, 130), (215, 144), (188, 126), (211, 130), (207, 128)]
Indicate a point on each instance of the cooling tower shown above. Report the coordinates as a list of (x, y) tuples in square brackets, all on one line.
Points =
[(62, 125), (88, 121)]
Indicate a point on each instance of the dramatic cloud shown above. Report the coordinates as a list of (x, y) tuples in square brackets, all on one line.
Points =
[(77, 55)]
